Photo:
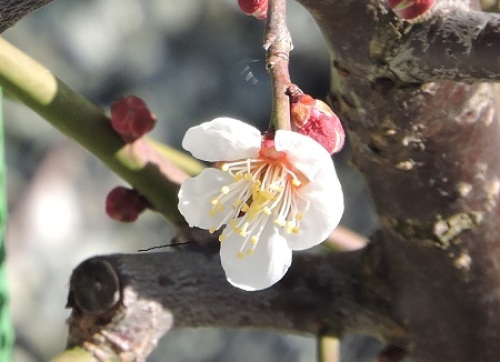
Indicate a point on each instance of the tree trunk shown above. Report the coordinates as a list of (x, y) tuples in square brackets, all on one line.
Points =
[(430, 154)]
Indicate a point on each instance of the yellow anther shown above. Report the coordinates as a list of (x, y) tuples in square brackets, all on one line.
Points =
[(280, 222), (258, 192), (275, 188), (265, 196), (243, 231)]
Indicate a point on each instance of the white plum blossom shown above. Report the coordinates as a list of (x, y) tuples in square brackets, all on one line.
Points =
[(273, 195)]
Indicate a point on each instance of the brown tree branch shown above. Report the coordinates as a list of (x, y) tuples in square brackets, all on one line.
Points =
[(278, 44), (13, 10), (121, 301), (459, 46)]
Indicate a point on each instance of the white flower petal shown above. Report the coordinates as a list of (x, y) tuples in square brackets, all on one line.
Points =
[(223, 139), (195, 195), (304, 153), (266, 266), (326, 205)]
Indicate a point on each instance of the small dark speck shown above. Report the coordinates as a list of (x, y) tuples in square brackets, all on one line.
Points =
[(164, 281)]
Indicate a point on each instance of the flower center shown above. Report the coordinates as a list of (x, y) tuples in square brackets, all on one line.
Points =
[(263, 190)]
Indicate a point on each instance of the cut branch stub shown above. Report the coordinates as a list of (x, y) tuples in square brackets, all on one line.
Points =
[(109, 319), (95, 287)]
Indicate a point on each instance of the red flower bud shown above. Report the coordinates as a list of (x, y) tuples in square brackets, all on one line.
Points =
[(131, 118), (125, 205), (315, 119), (410, 9), (256, 8)]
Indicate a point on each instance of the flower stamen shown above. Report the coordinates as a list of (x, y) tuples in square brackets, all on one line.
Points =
[(262, 189)]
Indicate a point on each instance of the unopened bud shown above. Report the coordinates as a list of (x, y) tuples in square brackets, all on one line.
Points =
[(131, 118), (256, 8), (125, 205), (314, 118), (410, 9)]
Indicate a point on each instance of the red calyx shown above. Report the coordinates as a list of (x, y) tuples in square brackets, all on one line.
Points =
[(256, 8), (410, 9), (314, 118), (267, 149), (125, 205), (131, 118)]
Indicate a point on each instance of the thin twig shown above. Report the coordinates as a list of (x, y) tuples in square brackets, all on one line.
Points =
[(278, 44)]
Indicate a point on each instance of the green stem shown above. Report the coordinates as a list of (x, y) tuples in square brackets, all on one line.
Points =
[(75, 355), (181, 160), (328, 349), (138, 163), (6, 331)]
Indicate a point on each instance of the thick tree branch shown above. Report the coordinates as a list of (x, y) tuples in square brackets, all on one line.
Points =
[(120, 293), (13, 10), (459, 45)]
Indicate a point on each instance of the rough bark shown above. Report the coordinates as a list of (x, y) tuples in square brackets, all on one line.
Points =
[(13, 10), (461, 46), (113, 295), (429, 152)]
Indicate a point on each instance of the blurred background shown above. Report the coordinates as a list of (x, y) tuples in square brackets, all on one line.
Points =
[(191, 61)]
